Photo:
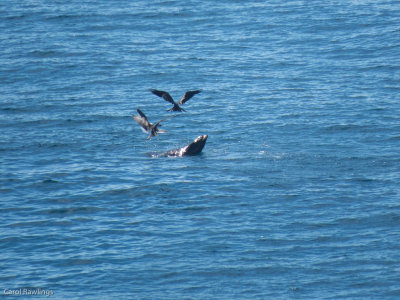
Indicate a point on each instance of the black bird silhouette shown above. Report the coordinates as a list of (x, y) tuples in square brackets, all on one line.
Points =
[(147, 126), (167, 97)]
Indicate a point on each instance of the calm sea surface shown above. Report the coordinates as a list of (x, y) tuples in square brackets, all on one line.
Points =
[(295, 196)]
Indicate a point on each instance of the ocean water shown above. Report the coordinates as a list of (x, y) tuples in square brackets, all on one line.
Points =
[(296, 194)]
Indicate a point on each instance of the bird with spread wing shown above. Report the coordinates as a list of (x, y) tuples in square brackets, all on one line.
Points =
[(147, 126), (167, 97)]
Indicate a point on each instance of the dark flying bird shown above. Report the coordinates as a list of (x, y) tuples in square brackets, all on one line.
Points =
[(167, 97), (147, 126)]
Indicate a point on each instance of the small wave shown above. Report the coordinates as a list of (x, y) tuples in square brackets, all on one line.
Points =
[(78, 262), (29, 224), (44, 53), (394, 138), (343, 127), (63, 17), (16, 17), (50, 181), (72, 210)]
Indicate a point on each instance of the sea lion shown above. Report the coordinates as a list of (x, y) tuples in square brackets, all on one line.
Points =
[(193, 148)]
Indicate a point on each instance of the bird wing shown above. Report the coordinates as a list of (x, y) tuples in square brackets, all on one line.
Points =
[(164, 95), (142, 122), (188, 95), (142, 114), (158, 123)]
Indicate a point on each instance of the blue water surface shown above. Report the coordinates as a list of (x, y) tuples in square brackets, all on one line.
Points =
[(296, 194)]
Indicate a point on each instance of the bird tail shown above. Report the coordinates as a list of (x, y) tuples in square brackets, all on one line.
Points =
[(176, 108)]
